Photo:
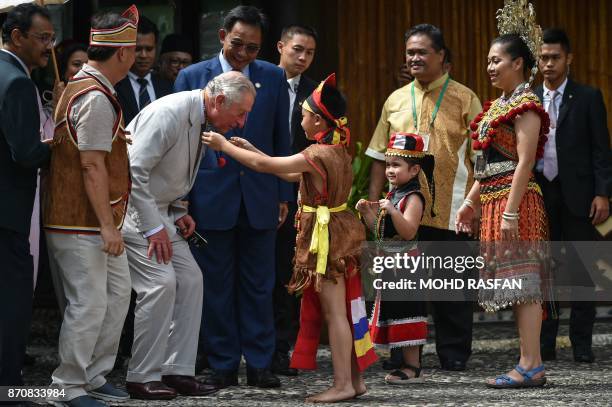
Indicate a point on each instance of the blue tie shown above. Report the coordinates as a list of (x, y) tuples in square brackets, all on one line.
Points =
[(143, 94)]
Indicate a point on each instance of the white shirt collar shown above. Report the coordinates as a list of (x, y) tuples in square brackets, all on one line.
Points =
[(293, 81), (226, 67), (135, 77), (560, 90), (25, 68)]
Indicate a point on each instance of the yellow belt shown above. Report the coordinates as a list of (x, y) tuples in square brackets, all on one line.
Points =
[(320, 234)]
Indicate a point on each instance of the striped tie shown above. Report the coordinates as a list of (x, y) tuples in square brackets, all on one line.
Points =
[(143, 93)]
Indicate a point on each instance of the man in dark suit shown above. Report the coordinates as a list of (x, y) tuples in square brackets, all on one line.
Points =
[(142, 86), (28, 36), (576, 179), (238, 211), (297, 49)]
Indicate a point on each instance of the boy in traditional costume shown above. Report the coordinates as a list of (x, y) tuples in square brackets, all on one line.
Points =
[(395, 219), (328, 243)]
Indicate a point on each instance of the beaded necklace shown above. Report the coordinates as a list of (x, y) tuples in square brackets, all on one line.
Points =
[(379, 225)]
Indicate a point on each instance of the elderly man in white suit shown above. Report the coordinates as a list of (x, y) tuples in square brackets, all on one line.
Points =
[(164, 159)]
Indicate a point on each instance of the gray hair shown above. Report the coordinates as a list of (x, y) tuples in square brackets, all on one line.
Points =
[(232, 85)]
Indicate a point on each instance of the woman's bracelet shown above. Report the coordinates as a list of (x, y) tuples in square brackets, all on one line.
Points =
[(510, 215), (469, 203)]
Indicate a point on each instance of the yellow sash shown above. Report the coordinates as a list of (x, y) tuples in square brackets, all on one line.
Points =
[(320, 234)]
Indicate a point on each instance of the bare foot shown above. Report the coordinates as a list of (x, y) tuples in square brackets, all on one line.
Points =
[(360, 387), (332, 395)]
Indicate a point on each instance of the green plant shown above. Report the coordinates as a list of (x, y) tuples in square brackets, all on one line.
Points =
[(361, 176)]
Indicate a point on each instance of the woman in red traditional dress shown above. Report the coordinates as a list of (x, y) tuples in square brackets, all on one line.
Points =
[(509, 136)]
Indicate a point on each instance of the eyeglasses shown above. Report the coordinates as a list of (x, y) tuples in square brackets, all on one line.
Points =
[(46, 38), (179, 62), (250, 48)]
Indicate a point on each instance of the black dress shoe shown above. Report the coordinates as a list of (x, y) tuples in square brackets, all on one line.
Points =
[(222, 380), (548, 354), (280, 365), (584, 356), (150, 391), (201, 364), (262, 378), (453, 365), (188, 386)]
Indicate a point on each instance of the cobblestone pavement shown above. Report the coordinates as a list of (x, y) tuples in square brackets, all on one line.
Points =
[(495, 351)]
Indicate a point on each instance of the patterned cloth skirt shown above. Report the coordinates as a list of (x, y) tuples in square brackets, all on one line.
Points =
[(395, 324), (517, 271)]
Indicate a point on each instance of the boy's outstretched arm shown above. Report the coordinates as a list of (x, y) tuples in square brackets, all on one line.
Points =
[(245, 144), (292, 165)]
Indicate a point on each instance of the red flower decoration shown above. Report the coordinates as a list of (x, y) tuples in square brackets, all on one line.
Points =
[(221, 161)]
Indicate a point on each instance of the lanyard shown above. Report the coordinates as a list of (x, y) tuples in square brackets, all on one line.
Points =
[(436, 108)]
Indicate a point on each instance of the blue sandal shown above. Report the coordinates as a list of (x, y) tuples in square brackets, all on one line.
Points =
[(507, 382)]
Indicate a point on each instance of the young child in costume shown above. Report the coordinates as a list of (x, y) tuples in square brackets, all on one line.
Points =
[(401, 324), (328, 243)]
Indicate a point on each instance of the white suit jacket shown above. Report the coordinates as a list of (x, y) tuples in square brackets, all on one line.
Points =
[(164, 157)]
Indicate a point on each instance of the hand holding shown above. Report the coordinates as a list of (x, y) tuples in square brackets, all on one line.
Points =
[(386, 205), (213, 140), (186, 225)]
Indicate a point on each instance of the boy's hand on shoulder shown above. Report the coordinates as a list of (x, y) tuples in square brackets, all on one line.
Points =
[(213, 140)]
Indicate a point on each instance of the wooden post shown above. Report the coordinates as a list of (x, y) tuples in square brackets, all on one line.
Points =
[(53, 58)]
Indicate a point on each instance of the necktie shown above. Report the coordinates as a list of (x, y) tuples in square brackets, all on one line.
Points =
[(552, 109), (143, 93), (551, 168)]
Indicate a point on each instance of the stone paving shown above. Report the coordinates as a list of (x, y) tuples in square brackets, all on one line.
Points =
[(495, 351)]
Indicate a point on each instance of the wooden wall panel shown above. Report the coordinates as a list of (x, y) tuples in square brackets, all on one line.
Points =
[(371, 46)]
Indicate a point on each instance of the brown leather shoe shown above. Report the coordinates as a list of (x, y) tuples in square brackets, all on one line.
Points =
[(188, 385), (150, 391)]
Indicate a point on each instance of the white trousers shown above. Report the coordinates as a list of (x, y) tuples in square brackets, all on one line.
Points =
[(167, 314), (97, 289)]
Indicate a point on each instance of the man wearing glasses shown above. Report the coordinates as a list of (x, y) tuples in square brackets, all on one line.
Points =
[(239, 210), (176, 54), (28, 36)]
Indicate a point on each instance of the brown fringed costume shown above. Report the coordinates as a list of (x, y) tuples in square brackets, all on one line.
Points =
[(346, 233)]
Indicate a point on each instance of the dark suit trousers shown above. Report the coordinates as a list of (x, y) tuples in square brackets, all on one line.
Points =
[(237, 319), (16, 276), (285, 304), (565, 226), (453, 320)]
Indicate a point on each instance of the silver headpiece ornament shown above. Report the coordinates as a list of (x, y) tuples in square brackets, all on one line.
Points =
[(518, 17)]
